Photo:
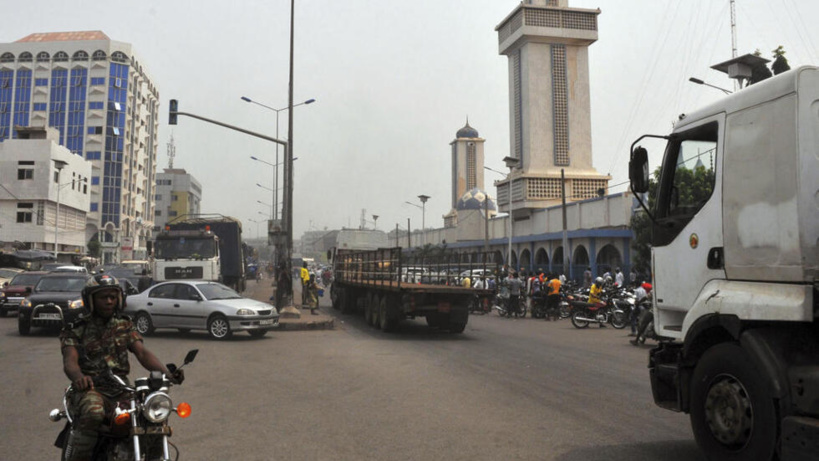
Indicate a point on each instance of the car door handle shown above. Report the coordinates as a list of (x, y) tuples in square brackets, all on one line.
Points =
[(150, 304), (176, 305)]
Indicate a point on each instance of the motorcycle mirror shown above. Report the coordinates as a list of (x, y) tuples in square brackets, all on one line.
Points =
[(191, 355)]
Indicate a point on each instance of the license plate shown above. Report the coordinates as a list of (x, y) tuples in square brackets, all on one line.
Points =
[(49, 317), (267, 322)]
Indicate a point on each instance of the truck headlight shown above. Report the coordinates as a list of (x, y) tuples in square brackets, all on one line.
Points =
[(76, 304), (157, 407), (245, 312)]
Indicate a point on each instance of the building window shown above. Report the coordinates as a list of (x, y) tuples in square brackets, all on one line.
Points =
[(41, 82), (80, 56), (40, 213), (24, 57), (7, 57), (61, 56), (40, 106), (99, 55), (158, 213), (158, 197), (25, 169), (95, 181), (94, 207), (171, 213), (93, 155), (98, 81), (174, 197), (96, 104), (94, 130), (25, 211)]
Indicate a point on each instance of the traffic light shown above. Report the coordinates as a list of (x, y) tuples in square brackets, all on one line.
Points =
[(172, 112)]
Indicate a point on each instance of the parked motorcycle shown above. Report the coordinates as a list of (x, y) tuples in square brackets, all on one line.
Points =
[(584, 313), (501, 304), (137, 429), (478, 305)]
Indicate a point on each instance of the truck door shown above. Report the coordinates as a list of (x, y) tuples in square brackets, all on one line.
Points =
[(687, 237)]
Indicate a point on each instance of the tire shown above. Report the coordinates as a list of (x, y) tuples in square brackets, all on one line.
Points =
[(565, 311), (219, 327), (143, 324), (726, 380), (257, 333), (368, 310), (434, 321), (386, 322), (375, 305), (23, 325), (618, 320), (577, 313)]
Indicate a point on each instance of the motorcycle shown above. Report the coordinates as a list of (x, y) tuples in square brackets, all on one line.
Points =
[(584, 313), (137, 429), (479, 306), (501, 304)]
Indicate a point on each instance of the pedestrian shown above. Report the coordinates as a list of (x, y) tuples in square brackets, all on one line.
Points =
[(587, 278), (466, 282), (619, 278), (304, 274), (562, 278), (515, 286), (480, 284), (553, 298)]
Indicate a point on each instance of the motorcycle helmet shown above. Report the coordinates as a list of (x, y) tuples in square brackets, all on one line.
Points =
[(101, 282), (598, 281)]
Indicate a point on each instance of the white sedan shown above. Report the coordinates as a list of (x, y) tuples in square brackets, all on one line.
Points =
[(198, 305)]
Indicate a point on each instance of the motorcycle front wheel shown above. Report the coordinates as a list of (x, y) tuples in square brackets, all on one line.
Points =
[(565, 310), (576, 315), (618, 319)]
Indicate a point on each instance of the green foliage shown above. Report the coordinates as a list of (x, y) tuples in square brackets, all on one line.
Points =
[(94, 247)]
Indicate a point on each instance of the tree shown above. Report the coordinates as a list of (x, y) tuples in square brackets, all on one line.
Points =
[(694, 186), (780, 63), (94, 246), (761, 72)]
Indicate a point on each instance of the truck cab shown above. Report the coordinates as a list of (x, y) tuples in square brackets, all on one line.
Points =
[(734, 258), (186, 255)]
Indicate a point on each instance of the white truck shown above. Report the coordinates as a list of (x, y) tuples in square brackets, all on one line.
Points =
[(734, 256)]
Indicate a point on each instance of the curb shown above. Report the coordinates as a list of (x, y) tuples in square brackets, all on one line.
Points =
[(327, 324)]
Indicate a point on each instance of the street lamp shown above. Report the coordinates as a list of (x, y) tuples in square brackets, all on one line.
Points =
[(276, 166), (59, 165), (375, 221), (423, 208), (511, 163), (700, 82)]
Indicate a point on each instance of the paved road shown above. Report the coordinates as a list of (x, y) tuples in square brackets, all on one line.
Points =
[(504, 389)]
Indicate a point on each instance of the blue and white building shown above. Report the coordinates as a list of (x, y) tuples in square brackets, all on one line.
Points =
[(96, 92)]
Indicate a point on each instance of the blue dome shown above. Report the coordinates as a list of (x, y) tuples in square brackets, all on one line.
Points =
[(467, 132), (474, 200)]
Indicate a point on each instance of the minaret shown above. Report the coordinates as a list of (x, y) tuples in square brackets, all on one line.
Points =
[(547, 43), (467, 162)]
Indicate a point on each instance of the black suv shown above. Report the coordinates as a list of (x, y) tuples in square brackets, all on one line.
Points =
[(55, 301)]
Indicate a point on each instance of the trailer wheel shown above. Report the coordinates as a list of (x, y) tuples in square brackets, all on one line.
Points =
[(375, 305), (387, 321), (368, 309), (348, 301), (434, 320), (732, 408)]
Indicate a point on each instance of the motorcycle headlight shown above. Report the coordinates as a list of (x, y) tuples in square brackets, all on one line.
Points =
[(245, 312), (76, 304), (157, 407)]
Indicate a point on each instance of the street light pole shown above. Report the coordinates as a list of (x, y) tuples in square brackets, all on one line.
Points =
[(424, 199), (59, 165), (511, 162)]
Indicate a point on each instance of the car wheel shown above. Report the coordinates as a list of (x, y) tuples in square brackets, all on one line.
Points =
[(733, 415), (143, 324), (257, 333), (23, 325), (219, 327)]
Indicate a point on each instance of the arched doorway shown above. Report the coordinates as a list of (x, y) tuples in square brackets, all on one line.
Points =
[(607, 259), (580, 261), (542, 260), (557, 261), (526, 261)]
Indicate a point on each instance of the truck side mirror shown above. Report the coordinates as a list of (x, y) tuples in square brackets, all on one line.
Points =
[(638, 170)]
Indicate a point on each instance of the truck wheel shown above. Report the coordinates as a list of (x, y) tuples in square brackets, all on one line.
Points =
[(143, 324), (375, 305), (219, 327), (23, 325), (732, 410), (368, 310), (387, 322), (348, 301), (434, 320)]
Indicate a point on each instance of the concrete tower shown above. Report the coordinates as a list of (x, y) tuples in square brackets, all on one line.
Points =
[(467, 175), (549, 111)]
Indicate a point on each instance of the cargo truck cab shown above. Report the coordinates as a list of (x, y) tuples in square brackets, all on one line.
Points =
[(734, 262)]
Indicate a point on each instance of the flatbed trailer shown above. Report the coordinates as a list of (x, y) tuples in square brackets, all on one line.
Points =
[(376, 283)]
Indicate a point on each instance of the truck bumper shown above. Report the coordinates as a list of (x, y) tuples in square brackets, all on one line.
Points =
[(666, 372)]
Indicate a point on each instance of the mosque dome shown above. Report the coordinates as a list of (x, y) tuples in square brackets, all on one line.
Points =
[(467, 132), (474, 200)]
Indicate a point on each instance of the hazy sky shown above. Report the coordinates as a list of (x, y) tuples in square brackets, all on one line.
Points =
[(393, 82)]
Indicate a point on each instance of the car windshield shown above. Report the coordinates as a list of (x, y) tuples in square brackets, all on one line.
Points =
[(213, 291), (7, 274), (25, 280), (60, 284)]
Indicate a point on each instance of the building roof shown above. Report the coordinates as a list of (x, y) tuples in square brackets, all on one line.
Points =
[(474, 199), (64, 36), (467, 132)]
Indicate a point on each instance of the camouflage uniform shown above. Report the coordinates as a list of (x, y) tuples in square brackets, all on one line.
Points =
[(102, 344)]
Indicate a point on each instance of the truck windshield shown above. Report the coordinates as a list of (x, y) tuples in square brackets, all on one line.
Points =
[(186, 248)]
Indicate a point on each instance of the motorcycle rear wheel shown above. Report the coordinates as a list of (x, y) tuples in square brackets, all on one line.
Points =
[(618, 319), (576, 315)]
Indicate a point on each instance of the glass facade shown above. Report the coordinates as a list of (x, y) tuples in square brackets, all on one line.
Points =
[(6, 94), (114, 143), (22, 98), (56, 109), (76, 110)]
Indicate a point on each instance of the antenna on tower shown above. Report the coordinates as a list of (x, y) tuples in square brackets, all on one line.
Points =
[(171, 152)]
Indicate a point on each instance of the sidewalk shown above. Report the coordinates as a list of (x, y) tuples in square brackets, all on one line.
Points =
[(262, 290)]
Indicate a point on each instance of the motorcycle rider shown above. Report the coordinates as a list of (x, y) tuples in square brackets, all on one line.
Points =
[(595, 294), (96, 343)]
